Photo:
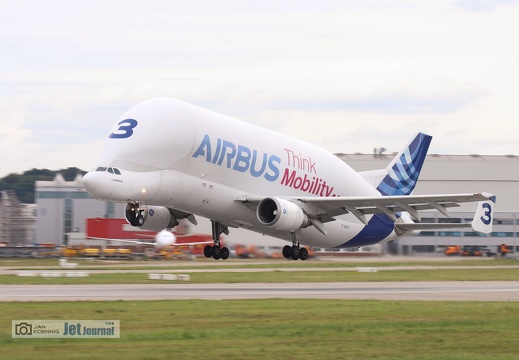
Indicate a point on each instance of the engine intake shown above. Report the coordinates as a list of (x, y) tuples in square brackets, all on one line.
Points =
[(154, 218), (281, 214)]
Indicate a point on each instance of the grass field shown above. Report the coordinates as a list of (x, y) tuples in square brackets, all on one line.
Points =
[(460, 274), (275, 329), (254, 263)]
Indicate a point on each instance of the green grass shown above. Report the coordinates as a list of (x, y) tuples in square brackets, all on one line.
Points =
[(275, 329), (52, 264), (490, 274)]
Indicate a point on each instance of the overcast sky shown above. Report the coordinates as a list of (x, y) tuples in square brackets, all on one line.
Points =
[(346, 75)]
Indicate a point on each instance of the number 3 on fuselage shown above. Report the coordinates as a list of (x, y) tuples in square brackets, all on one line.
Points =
[(125, 129)]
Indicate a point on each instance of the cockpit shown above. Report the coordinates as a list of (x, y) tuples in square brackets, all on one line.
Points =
[(111, 170)]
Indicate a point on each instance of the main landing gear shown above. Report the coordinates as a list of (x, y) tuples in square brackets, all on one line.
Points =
[(215, 251), (295, 252)]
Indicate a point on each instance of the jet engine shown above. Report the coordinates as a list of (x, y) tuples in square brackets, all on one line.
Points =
[(154, 218), (281, 214)]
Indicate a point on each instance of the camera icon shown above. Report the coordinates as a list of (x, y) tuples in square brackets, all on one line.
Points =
[(23, 328)]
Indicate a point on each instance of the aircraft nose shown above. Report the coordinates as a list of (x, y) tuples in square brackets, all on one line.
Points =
[(90, 182)]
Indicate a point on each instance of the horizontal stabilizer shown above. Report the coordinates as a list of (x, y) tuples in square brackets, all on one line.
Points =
[(481, 223)]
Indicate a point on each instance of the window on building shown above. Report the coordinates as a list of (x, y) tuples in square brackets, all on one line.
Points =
[(503, 221), (472, 233), (449, 233), (502, 234), (423, 248), (449, 221), (427, 233), (428, 220)]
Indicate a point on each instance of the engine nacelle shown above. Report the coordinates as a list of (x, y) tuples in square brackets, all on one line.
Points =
[(154, 218), (281, 214)]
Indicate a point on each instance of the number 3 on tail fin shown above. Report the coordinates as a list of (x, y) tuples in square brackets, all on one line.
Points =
[(482, 221)]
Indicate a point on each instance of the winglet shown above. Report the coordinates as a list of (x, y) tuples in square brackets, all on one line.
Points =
[(403, 171), (483, 218)]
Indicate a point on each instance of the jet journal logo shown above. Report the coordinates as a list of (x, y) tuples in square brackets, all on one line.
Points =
[(78, 329)]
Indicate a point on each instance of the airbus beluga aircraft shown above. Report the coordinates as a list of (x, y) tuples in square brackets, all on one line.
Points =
[(170, 160)]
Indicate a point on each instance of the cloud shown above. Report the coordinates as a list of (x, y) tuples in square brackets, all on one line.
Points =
[(347, 76), (390, 103), (483, 5)]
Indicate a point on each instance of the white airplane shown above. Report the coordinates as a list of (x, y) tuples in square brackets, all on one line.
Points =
[(163, 240), (169, 160)]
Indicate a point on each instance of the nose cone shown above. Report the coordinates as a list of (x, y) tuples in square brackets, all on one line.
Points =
[(91, 183)]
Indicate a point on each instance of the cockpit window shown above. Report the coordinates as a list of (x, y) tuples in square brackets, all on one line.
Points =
[(110, 170)]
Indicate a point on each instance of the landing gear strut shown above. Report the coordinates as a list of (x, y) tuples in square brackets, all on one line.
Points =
[(295, 252), (215, 251)]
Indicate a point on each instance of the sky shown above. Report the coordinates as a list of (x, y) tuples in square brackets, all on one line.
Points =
[(348, 75)]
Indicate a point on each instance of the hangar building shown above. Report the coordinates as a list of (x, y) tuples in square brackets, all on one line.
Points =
[(449, 174), (63, 207)]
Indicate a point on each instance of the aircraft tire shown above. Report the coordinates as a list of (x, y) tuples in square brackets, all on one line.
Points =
[(139, 220), (294, 252), (286, 251), (216, 252), (224, 253), (303, 254), (208, 251)]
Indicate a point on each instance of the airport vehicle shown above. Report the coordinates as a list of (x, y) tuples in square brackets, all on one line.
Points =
[(170, 160), (453, 250), (473, 250)]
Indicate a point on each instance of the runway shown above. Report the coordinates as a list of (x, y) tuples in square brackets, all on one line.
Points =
[(435, 291)]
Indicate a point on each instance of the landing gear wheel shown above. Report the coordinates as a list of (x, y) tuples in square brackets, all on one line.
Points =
[(294, 252), (224, 253), (303, 254), (139, 220), (286, 251), (217, 229), (208, 251), (216, 252)]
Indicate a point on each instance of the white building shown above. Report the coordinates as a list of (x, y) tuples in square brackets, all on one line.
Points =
[(17, 220), (63, 206), (445, 174)]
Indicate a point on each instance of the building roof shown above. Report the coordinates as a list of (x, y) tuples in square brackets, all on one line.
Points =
[(447, 167), (59, 182)]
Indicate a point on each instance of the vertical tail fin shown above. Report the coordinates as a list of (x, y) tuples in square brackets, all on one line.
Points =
[(403, 171), (483, 219)]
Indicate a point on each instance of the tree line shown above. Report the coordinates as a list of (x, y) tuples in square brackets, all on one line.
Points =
[(23, 184)]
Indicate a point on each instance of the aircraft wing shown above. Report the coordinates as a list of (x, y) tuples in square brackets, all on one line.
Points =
[(325, 209), (135, 242)]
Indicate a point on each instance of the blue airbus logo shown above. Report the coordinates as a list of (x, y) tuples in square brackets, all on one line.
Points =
[(125, 129), (239, 158)]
